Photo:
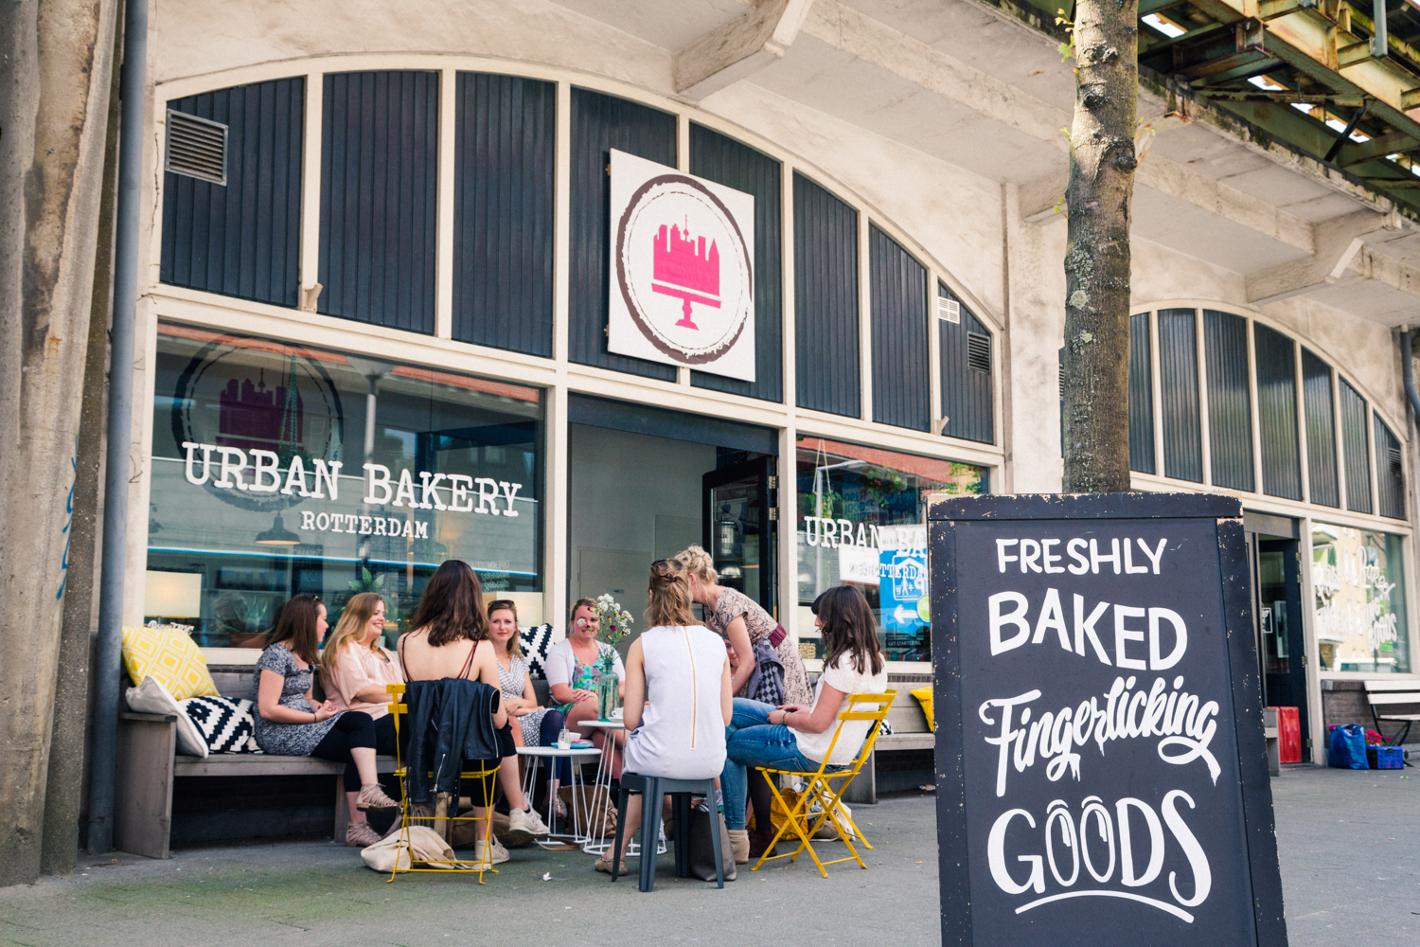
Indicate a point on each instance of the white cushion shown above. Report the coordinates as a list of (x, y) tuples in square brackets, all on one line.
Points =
[(151, 697)]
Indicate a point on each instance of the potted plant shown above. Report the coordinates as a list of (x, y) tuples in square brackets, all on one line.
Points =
[(615, 626)]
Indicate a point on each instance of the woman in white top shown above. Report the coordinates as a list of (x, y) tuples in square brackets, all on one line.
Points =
[(678, 696), (797, 738)]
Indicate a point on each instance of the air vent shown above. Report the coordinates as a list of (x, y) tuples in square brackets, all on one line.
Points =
[(978, 351), (1397, 468), (197, 147), (948, 309)]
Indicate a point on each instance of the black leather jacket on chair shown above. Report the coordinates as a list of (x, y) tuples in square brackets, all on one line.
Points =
[(450, 721)]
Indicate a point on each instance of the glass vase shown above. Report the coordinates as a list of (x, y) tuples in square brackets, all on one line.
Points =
[(606, 695)]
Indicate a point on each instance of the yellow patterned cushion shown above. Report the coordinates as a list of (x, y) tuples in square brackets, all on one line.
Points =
[(169, 655)]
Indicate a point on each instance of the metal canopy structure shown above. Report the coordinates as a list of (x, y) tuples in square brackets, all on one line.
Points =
[(1335, 81)]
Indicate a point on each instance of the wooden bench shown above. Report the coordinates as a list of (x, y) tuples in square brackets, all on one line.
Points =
[(148, 765), (909, 732), (1386, 697)]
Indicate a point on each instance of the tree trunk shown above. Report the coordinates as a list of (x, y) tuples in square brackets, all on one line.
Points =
[(1102, 162), (56, 60)]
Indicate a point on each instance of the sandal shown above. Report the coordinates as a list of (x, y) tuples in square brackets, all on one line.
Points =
[(373, 797), (604, 866)]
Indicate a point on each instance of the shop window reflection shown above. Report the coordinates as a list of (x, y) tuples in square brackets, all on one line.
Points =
[(862, 519), (280, 469), (1359, 600)]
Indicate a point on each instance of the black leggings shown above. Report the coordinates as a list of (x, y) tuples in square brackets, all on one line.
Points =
[(353, 730)]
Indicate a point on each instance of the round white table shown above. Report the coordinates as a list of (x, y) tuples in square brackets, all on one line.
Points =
[(580, 820), (596, 846)]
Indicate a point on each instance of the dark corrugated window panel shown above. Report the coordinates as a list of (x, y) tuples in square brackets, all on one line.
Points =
[(897, 293), (1229, 399), (734, 164), (1318, 404), (1276, 356), (504, 162), (1355, 451), (825, 300), (1178, 394), (1141, 395), (967, 402), (379, 195), (242, 239), (1390, 472), (599, 124)]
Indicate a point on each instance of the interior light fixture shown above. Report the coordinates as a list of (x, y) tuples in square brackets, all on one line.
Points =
[(277, 535)]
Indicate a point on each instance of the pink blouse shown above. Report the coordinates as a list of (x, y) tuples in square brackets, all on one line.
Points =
[(358, 668)]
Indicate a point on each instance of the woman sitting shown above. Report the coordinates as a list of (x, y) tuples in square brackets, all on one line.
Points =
[(572, 668), (449, 640), (290, 723), (739, 619), (677, 696), (355, 670), (537, 726), (796, 738)]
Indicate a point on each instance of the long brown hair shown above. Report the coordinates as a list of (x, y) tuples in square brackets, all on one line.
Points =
[(515, 643), (296, 624), (353, 618), (451, 607), (848, 626), (668, 595)]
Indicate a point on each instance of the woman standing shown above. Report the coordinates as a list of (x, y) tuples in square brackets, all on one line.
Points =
[(677, 695), (572, 668), (288, 720), (795, 737), (535, 725), (739, 619), (356, 671)]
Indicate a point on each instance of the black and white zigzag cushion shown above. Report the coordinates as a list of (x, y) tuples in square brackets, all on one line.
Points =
[(225, 724), (536, 641)]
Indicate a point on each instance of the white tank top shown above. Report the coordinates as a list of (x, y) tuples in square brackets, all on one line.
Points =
[(682, 732)]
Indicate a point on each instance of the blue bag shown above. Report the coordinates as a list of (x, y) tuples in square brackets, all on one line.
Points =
[(1347, 747)]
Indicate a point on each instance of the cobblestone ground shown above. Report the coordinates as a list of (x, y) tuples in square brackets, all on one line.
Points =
[(1349, 845)]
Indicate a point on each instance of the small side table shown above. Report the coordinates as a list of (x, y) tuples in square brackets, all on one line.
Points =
[(535, 755), (598, 846)]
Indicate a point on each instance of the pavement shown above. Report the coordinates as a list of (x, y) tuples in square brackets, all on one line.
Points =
[(1349, 846)]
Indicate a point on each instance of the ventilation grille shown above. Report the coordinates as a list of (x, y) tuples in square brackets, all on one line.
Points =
[(1397, 468), (948, 309), (197, 147), (978, 351)]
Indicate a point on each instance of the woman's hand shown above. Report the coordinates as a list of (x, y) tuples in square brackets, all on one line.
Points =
[(519, 711), (325, 711), (581, 696)]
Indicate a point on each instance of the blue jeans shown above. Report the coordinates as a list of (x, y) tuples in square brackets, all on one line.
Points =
[(751, 740)]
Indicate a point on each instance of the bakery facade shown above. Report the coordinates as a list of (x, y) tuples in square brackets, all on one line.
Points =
[(505, 288)]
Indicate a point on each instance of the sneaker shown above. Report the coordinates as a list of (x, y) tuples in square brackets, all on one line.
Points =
[(373, 797), (524, 825), (360, 835), (498, 854)]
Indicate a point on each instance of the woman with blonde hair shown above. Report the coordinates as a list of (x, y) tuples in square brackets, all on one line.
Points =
[(533, 725), (355, 672), (678, 702), (738, 618)]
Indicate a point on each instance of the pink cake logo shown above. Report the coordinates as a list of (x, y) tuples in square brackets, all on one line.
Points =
[(684, 279)]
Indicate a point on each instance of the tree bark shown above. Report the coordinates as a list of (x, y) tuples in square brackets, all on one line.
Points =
[(56, 60), (1098, 199)]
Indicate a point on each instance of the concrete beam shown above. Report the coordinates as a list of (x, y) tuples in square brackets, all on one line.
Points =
[(1339, 244), (738, 49)]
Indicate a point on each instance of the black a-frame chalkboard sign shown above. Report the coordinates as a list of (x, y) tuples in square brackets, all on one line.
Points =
[(1101, 776)]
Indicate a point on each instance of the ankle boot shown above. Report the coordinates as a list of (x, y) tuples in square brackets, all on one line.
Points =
[(759, 841), (739, 845)]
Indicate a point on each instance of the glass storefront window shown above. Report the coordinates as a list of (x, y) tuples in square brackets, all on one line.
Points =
[(280, 469), (1359, 587), (862, 519)]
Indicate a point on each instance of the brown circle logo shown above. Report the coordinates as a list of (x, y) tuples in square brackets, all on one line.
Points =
[(683, 269)]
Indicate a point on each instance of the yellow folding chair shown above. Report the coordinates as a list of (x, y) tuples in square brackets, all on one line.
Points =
[(824, 787), (487, 776)]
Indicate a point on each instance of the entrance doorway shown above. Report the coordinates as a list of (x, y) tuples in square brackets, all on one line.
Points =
[(644, 483), (1275, 556)]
